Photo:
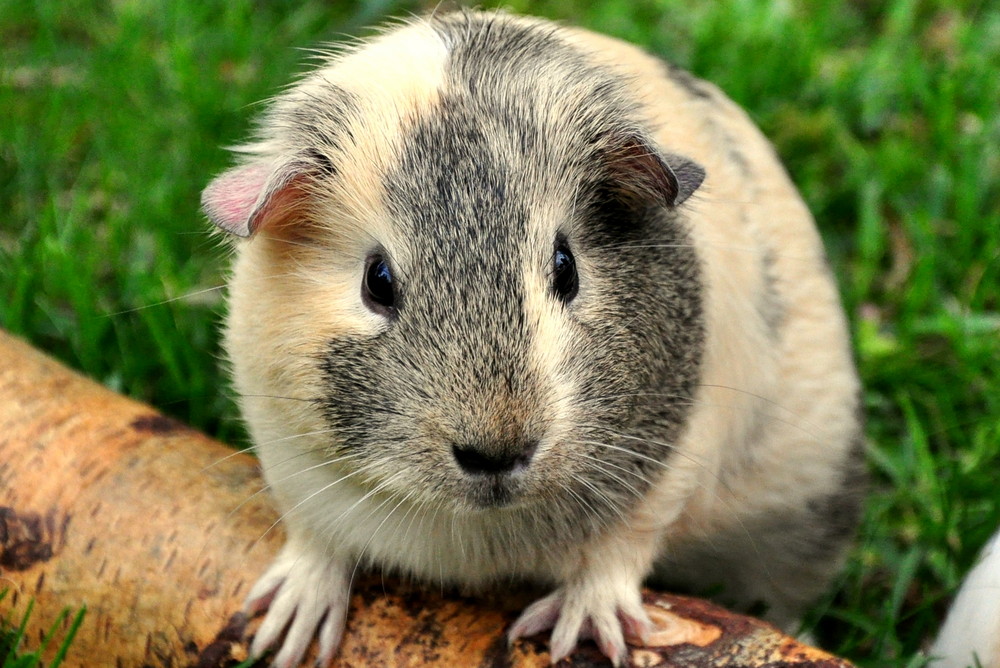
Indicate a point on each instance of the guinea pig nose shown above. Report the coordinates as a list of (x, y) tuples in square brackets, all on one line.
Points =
[(476, 461)]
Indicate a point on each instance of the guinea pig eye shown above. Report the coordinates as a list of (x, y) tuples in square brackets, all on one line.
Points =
[(378, 290), (565, 282)]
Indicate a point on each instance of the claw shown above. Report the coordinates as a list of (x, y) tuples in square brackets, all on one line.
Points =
[(608, 636), (304, 596), (573, 615), (329, 636), (567, 631), (636, 624), (537, 617)]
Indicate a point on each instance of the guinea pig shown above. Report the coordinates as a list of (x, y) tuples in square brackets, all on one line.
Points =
[(513, 301)]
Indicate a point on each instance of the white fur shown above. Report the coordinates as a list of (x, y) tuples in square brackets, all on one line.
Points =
[(971, 631)]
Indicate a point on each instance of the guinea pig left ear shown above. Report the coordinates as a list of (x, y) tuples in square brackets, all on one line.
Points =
[(638, 168), (246, 198)]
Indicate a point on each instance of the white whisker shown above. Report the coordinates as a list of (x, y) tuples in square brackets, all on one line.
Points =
[(268, 486), (602, 464), (361, 553), (319, 491)]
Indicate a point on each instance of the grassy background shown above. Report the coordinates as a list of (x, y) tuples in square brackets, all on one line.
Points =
[(885, 111)]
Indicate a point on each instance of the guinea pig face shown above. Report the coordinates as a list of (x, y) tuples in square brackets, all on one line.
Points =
[(510, 317)]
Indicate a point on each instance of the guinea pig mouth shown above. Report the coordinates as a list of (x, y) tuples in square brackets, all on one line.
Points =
[(493, 491)]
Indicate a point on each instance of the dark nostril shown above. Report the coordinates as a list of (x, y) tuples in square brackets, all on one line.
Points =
[(506, 460)]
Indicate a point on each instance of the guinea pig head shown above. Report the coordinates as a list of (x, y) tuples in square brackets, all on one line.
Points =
[(489, 306)]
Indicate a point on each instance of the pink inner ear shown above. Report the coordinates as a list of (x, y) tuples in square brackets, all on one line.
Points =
[(638, 167), (229, 200)]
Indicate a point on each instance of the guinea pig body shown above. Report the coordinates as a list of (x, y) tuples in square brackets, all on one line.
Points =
[(521, 302)]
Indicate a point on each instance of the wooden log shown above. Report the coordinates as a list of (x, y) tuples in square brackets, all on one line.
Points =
[(158, 531)]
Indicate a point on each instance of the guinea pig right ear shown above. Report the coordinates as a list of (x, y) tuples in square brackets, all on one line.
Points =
[(640, 170), (249, 197)]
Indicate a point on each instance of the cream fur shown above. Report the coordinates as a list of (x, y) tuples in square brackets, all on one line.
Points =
[(971, 633)]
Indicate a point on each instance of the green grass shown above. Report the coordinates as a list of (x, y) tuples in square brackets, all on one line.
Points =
[(884, 111), (12, 638)]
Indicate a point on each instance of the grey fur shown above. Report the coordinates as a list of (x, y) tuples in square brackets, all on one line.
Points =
[(315, 124), (770, 305), (464, 188), (692, 84)]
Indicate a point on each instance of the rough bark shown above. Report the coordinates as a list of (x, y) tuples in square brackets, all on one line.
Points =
[(159, 531)]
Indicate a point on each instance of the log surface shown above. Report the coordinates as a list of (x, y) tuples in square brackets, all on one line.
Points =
[(160, 532)]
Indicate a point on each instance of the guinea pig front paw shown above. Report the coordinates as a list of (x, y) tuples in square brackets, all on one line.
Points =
[(306, 594), (579, 612)]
